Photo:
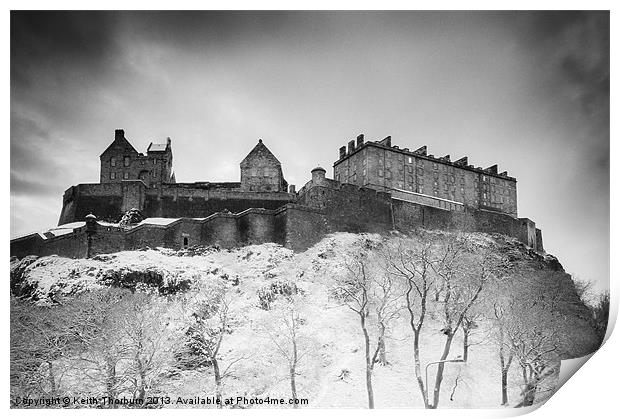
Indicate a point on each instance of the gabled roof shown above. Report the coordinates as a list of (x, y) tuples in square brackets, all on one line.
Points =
[(260, 150), (120, 142)]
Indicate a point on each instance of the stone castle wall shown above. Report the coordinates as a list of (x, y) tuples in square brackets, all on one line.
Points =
[(296, 221), (109, 201)]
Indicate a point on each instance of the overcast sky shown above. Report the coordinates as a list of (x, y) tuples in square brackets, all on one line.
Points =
[(528, 91)]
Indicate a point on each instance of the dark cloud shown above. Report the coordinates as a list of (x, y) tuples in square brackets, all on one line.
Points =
[(53, 40)]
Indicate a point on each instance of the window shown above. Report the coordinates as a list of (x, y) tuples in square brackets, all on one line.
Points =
[(113, 162), (420, 189), (484, 178), (380, 173), (126, 161), (154, 161), (409, 160), (185, 241), (435, 166), (112, 175), (126, 175)]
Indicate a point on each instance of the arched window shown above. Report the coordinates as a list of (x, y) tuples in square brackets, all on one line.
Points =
[(127, 160)]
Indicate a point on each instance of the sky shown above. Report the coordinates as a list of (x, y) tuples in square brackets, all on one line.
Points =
[(528, 91)]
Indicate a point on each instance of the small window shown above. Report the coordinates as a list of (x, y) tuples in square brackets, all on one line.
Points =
[(409, 160), (154, 161), (112, 175), (380, 173), (113, 162), (126, 175), (126, 161), (185, 241)]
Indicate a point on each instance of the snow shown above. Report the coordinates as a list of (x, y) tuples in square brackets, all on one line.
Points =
[(331, 331), (158, 221)]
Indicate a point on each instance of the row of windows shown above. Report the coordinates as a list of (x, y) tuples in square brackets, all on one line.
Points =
[(143, 175), (127, 161), (113, 175)]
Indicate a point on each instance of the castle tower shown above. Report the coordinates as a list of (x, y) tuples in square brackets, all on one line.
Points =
[(121, 161), (118, 160), (261, 171)]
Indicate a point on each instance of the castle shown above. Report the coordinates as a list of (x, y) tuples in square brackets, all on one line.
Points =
[(377, 187)]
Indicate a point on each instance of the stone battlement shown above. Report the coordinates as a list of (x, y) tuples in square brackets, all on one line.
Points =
[(373, 191)]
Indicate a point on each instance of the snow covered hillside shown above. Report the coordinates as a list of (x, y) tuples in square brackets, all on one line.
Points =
[(273, 297)]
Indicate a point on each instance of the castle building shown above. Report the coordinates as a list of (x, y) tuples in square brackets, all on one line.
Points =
[(121, 161), (261, 171), (419, 176), (377, 188)]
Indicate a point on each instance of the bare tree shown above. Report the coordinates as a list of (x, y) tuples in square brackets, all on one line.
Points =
[(97, 323), (153, 342), (463, 269), (410, 261), (364, 290), (210, 320), (39, 337), (284, 329)]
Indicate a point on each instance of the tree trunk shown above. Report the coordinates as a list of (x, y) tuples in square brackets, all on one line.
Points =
[(369, 366), (110, 382), (51, 379), (218, 382), (440, 368), (418, 370), (465, 343), (382, 355), (504, 386), (293, 372), (529, 390), (293, 387)]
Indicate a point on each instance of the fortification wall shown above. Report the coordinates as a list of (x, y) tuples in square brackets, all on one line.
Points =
[(323, 206), (109, 201), (348, 207), (300, 226), (409, 215)]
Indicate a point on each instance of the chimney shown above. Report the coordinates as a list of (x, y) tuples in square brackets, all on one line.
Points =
[(360, 140), (462, 161), (351, 146), (387, 141), (492, 169), (343, 151), (291, 189), (421, 151), (119, 134), (168, 142)]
